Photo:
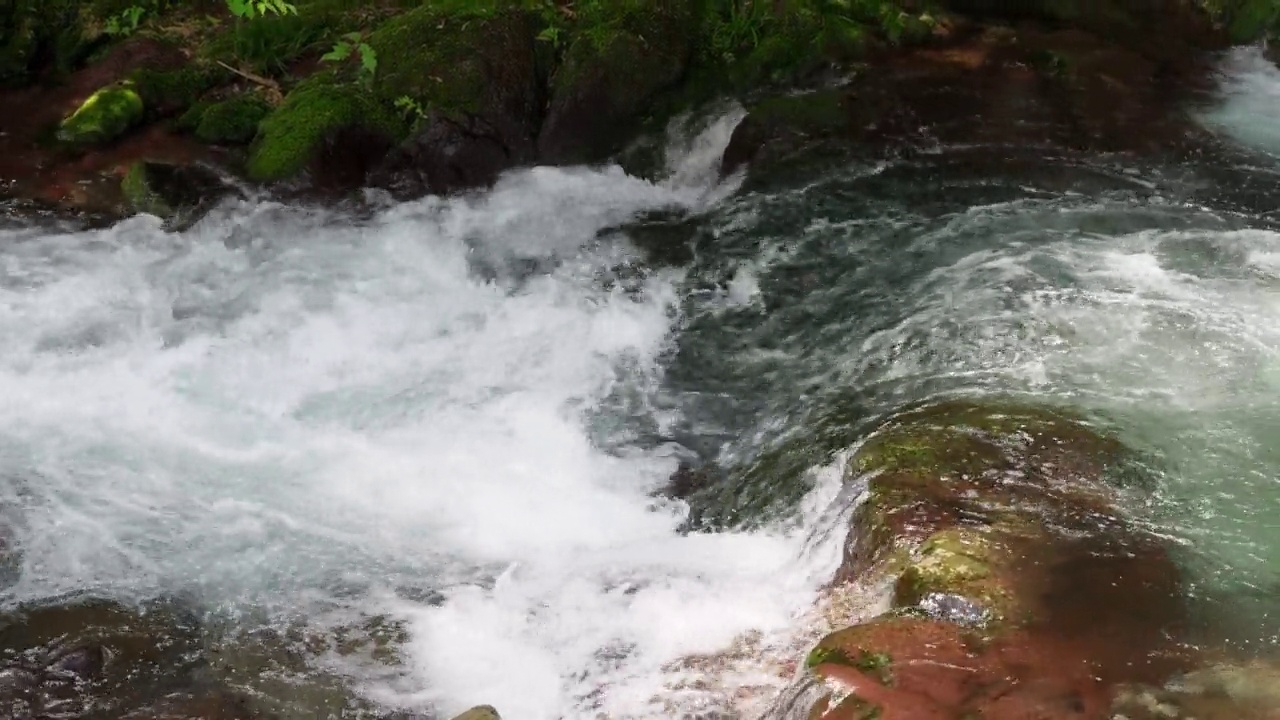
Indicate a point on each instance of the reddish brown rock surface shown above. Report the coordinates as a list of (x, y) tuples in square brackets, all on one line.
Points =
[(33, 167), (1020, 591)]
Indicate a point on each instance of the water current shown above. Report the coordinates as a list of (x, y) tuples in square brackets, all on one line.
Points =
[(453, 414)]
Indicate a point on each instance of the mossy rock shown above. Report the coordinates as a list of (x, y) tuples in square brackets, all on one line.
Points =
[(105, 116), (609, 77), (178, 194), (482, 712), (170, 92), (231, 122), (779, 127), (291, 136), (465, 66)]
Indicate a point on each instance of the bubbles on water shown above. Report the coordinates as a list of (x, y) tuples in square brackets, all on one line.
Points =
[(296, 412)]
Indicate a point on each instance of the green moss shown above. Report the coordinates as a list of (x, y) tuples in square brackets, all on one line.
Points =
[(232, 121), (822, 655), (443, 60), (140, 195), (288, 138), (169, 92), (949, 562), (106, 115)]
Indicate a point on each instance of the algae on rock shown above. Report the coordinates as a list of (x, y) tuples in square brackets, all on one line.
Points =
[(106, 115), (609, 77), (231, 122), (482, 712), (289, 138)]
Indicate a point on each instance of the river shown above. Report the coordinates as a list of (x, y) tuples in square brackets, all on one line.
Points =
[(453, 415)]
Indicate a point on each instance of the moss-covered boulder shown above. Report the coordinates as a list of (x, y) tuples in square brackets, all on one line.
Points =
[(169, 91), (611, 74), (230, 122), (178, 194), (105, 116), (471, 80), (294, 134), (997, 530)]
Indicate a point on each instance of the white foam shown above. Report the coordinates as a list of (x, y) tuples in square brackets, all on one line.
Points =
[(285, 409), (1249, 110)]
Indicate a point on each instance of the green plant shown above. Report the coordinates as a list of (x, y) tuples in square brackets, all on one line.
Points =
[(412, 109), (126, 23), (254, 8), (354, 44)]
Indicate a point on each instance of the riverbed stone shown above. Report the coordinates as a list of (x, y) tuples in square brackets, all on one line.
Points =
[(1018, 587), (178, 194), (482, 712), (82, 657)]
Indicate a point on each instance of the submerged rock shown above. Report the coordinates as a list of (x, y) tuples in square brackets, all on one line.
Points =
[(1222, 691), (88, 657), (1017, 585), (178, 194)]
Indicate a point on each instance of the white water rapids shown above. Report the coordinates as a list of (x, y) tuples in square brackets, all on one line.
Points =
[(288, 409)]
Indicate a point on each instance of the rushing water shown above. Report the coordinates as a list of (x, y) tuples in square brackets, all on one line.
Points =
[(454, 413)]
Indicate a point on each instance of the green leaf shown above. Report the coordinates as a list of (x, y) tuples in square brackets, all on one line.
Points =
[(340, 52), (368, 59)]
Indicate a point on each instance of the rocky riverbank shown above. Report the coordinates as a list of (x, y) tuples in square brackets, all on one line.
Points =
[(443, 98)]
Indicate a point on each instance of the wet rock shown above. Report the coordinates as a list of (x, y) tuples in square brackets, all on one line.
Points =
[(482, 712), (448, 155), (291, 137), (1019, 590), (777, 129), (105, 116), (1248, 691), (279, 671), (607, 80), (475, 85), (178, 194), (202, 706), (989, 85), (86, 656)]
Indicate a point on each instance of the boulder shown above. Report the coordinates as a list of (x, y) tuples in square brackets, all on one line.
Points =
[(88, 657), (473, 81), (1018, 589), (105, 116), (293, 135), (233, 121), (609, 78), (178, 194)]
